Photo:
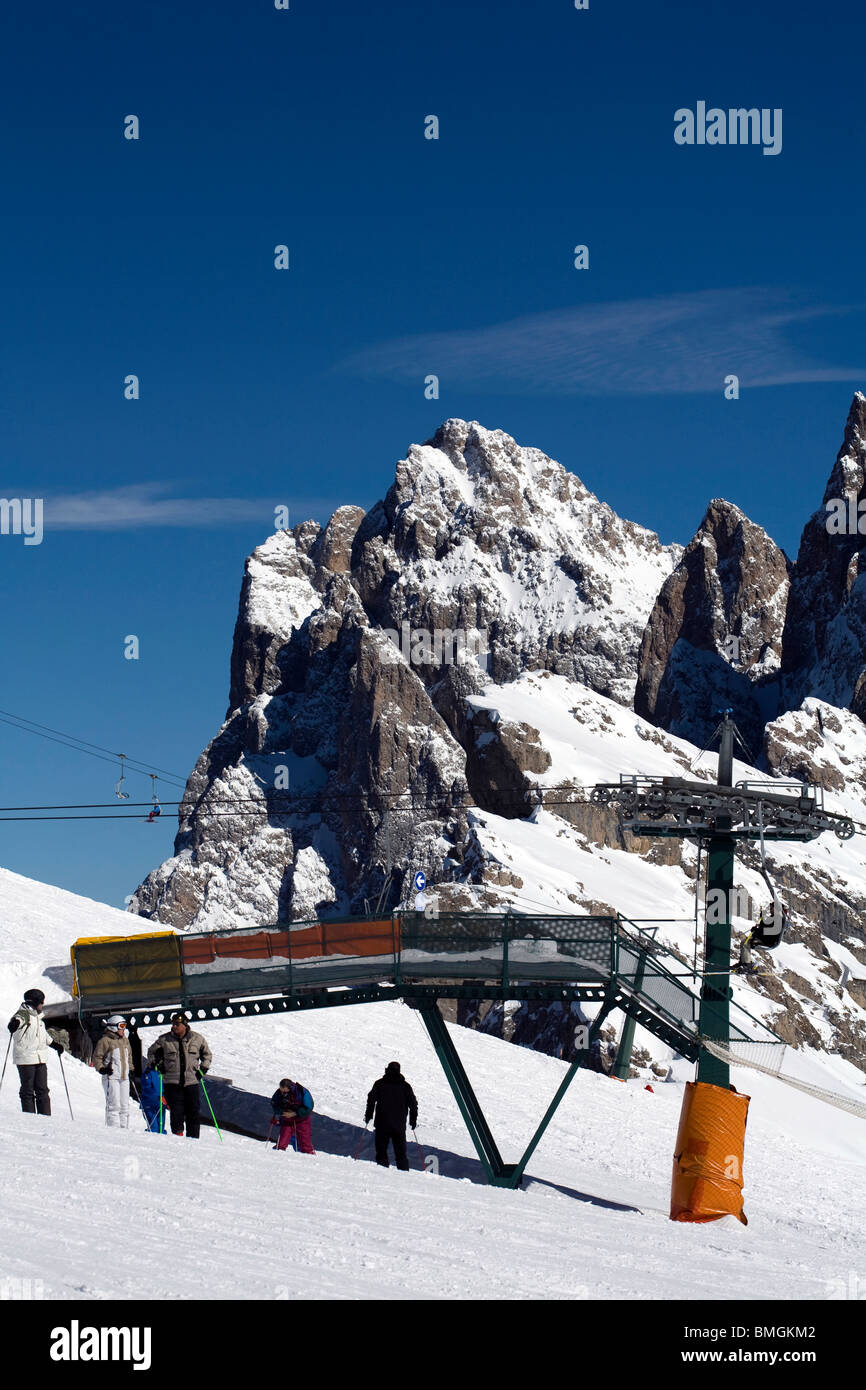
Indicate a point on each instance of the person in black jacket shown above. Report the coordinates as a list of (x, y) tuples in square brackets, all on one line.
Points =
[(393, 1099)]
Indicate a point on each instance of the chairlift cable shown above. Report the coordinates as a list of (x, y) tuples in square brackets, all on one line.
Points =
[(77, 745)]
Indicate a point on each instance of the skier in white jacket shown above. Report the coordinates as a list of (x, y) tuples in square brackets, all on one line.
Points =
[(31, 1043), (112, 1057)]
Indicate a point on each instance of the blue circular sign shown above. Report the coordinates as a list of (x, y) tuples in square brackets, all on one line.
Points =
[(420, 881)]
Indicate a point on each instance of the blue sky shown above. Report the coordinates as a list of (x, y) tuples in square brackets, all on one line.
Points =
[(408, 256)]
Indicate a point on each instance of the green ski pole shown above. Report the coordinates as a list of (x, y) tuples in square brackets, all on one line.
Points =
[(161, 1107), (209, 1106)]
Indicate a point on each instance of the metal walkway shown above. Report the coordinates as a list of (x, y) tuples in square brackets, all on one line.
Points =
[(324, 964), (267, 970)]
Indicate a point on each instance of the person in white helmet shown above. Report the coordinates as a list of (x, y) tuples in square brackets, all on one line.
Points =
[(112, 1058)]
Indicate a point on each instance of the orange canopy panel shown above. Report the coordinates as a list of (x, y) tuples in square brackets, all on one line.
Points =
[(708, 1162), (304, 943), (240, 945), (307, 942), (378, 938), (121, 967)]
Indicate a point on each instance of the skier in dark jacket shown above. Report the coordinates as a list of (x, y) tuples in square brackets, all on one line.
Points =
[(293, 1106), (392, 1099)]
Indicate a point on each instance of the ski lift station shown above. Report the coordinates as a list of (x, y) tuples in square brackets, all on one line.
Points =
[(609, 962)]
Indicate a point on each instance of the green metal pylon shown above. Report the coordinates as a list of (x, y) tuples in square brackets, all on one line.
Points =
[(499, 1174), (716, 988), (622, 1065), (467, 1101)]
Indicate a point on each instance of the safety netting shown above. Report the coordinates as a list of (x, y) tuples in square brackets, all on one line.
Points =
[(768, 1058)]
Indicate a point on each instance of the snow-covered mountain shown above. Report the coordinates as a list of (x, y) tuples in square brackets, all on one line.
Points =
[(363, 742), (477, 537), (354, 745)]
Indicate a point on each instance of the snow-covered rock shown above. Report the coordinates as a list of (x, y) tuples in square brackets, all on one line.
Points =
[(824, 643), (356, 650)]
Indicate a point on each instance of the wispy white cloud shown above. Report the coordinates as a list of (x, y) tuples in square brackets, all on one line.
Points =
[(665, 346), (147, 505)]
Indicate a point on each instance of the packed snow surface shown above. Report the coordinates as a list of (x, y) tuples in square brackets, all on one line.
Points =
[(94, 1213)]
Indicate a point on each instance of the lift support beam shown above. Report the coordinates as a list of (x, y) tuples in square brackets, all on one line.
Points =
[(202, 1010), (499, 1174)]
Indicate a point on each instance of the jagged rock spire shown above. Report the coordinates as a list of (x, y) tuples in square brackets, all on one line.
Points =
[(824, 641), (714, 636)]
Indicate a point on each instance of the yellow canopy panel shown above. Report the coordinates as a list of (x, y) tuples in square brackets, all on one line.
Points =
[(116, 968)]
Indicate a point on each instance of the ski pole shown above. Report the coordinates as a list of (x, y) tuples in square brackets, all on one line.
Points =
[(6, 1059), (361, 1143), (210, 1107), (63, 1074), (137, 1097), (270, 1131), (161, 1106)]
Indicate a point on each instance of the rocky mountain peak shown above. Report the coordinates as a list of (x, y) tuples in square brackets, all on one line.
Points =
[(357, 651), (479, 533), (714, 637), (849, 470), (824, 642)]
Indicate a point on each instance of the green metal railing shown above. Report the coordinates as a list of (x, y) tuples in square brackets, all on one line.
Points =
[(507, 948), (500, 953)]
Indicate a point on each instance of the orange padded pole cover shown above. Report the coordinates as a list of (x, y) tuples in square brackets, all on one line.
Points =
[(708, 1161)]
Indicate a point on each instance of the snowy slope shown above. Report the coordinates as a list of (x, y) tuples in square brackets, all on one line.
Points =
[(38, 924), (101, 1214), (551, 864)]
